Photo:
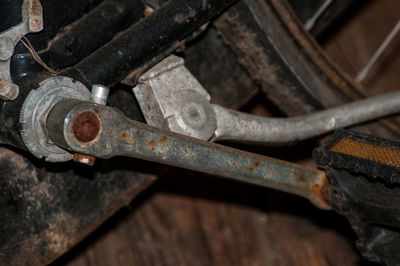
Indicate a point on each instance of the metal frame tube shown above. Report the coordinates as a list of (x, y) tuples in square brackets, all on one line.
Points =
[(155, 36)]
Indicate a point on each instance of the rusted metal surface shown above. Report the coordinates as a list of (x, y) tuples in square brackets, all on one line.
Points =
[(35, 17), (84, 159), (86, 127), (120, 136)]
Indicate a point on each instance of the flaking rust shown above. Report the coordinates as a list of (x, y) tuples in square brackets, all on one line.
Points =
[(86, 127)]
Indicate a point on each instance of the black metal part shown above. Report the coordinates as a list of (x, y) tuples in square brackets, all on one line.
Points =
[(57, 14), (380, 165), (157, 34), (141, 45), (81, 38), (373, 210), (218, 72), (361, 170), (10, 13)]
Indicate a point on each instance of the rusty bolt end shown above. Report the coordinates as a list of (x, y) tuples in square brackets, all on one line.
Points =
[(86, 127), (326, 192), (84, 159), (148, 10)]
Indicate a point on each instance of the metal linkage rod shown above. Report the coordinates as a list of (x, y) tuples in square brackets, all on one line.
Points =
[(234, 125), (105, 132)]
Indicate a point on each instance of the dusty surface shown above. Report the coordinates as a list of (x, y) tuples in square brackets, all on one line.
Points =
[(191, 219)]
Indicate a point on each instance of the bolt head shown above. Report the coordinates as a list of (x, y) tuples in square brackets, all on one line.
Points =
[(194, 115), (99, 94)]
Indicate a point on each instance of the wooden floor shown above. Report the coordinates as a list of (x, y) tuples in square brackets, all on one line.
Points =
[(193, 219)]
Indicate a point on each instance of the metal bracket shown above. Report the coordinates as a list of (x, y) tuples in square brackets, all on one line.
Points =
[(171, 98), (32, 21)]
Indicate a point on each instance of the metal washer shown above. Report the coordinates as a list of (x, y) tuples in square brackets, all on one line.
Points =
[(34, 112)]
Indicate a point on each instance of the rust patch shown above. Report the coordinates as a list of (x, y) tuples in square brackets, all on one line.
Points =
[(148, 11), (35, 8), (35, 11), (326, 192), (253, 166), (300, 176), (86, 127), (84, 159), (322, 191), (126, 136), (151, 144), (164, 139), (156, 143)]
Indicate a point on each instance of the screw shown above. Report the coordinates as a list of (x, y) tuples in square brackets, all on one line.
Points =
[(84, 159), (99, 94), (194, 115)]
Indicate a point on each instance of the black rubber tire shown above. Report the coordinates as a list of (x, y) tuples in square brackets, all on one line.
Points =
[(271, 43)]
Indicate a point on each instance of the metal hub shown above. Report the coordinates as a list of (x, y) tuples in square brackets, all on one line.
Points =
[(35, 110)]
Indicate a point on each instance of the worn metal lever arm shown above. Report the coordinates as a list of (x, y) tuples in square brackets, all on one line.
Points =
[(105, 132), (234, 125)]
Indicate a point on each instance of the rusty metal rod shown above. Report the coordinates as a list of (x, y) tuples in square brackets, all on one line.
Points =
[(104, 132)]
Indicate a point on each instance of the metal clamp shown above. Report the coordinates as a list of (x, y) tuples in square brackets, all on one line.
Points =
[(172, 99), (32, 21)]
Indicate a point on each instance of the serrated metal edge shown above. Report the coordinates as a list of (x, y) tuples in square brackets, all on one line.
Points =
[(25, 118)]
